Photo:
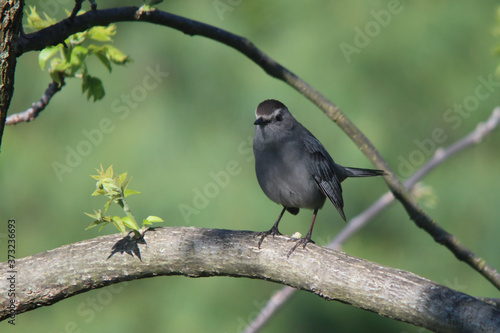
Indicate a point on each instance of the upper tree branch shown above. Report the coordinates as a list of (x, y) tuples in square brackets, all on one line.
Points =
[(196, 252), (58, 32), (481, 131)]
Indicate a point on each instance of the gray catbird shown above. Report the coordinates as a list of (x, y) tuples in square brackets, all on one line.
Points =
[(293, 168)]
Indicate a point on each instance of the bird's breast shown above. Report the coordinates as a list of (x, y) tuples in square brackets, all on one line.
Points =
[(285, 177)]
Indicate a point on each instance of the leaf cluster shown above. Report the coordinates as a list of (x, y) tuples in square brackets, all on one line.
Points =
[(68, 59), (115, 189)]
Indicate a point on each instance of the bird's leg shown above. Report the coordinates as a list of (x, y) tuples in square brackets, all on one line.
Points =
[(306, 239), (274, 229)]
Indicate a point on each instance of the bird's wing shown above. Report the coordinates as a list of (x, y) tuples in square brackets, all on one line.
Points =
[(322, 169)]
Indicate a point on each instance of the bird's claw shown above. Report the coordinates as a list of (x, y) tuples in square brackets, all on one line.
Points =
[(273, 232), (301, 241)]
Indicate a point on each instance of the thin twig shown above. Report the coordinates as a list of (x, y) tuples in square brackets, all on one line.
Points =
[(35, 109), (440, 156), (278, 299), (59, 31), (76, 9), (78, 6)]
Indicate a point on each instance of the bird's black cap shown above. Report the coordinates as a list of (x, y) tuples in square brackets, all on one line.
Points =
[(268, 107)]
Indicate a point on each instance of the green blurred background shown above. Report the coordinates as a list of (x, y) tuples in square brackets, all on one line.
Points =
[(397, 89)]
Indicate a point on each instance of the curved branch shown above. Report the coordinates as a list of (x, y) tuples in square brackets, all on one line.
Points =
[(196, 252), (481, 131), (35, 109), (58, 32)]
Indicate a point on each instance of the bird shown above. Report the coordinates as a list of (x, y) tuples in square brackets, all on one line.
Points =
[(294, 169)]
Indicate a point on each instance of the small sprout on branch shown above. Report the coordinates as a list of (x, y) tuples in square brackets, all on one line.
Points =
[(148, 6), (115, 189)]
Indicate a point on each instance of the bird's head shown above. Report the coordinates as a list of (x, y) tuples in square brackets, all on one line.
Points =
[(273, 117)]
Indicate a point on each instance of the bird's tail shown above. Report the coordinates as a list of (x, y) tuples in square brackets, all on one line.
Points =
[(356, 172)]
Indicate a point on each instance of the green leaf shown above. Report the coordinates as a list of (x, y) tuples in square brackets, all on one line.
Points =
[(116, 56), (58, 66), (107, 54), (130, 223), (77, 39), (109, 172), (125, 184), (110, 187), (36, 22), (105, 61), (97, 192), (118, 222), (150, 220), (57, 69), (106, 206), (45, 55), (128, 192), (95, 224), (94, 216), (101, 174), (93, 87), (54, 76), (121, 178), (102, 226), (154, 219), (102, 34), (78, 55)]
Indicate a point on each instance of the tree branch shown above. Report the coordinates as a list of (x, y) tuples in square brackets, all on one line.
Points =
[(440, 156), (196, 252), (35, 109), (59, 31)]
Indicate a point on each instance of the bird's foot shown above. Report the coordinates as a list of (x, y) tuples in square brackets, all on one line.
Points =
[(273, 232), (302, 241)]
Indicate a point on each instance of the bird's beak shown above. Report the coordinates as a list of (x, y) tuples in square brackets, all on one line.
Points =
[(259, 121)]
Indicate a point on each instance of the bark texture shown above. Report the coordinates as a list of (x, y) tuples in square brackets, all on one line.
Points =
[(48, 277), (11, 13)]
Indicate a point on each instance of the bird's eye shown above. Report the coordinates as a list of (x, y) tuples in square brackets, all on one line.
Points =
[(279, 117)]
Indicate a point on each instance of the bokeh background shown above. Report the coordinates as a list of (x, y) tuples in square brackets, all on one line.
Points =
[(399, 86)]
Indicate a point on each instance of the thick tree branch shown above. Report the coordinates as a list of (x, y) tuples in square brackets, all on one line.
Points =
[(48, 277), (35, 109), (12, 14), (440, 156), (58, 32)]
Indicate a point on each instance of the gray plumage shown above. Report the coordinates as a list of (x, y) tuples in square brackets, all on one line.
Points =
[(293, 168)]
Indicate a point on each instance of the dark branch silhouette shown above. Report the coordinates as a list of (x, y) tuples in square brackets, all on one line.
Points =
[(58, 32), (197, 252)]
